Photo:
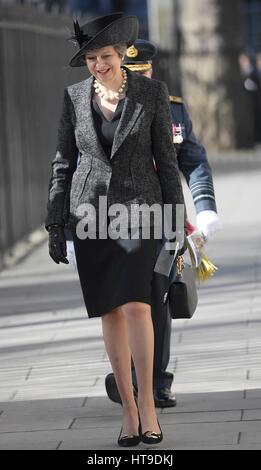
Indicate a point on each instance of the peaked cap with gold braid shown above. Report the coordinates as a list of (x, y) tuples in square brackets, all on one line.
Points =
[(139, 56)]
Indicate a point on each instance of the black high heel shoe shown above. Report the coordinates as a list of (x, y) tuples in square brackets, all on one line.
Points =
[(151, 437), (129, 440)]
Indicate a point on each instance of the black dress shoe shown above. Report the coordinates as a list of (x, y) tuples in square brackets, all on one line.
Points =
[(112, 389), (151, 437), (128, 440), (164, 398)]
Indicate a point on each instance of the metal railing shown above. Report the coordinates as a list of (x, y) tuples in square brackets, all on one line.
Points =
[(33, 73)]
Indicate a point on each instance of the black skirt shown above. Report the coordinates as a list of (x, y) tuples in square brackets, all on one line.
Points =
[(114, 272)]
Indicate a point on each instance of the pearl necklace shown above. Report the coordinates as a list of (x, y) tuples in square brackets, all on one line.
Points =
[(113, 94)]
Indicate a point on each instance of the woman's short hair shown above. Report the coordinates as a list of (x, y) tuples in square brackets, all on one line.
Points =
[(120, 48)]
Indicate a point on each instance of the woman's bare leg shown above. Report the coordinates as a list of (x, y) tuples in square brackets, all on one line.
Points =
[(116, 342), (141, 342)]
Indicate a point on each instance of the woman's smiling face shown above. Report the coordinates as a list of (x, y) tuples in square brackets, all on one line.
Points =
[(104, 64)]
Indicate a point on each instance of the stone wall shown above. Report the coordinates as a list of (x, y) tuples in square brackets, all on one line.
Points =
[(212, 38)]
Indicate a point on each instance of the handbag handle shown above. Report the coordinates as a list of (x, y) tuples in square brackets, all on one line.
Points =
[(180, 265)]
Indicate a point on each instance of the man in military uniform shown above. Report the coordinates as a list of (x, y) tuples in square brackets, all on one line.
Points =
[(193, 163)]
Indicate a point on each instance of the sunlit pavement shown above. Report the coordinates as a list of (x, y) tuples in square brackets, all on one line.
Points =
[(53, 361)]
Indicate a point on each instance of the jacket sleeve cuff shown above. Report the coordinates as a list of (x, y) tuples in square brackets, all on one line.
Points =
[(50, 226), (205, 205)]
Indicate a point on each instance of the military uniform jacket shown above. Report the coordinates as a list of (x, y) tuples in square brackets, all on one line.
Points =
[(144, 133), (192, 158)]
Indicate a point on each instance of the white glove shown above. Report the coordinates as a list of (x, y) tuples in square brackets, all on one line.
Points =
[(71, 254), (208, 223)]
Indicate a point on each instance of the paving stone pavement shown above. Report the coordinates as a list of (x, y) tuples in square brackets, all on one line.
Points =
[(53, 361)]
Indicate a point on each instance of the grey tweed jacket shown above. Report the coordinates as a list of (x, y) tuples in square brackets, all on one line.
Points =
[(143, 136)]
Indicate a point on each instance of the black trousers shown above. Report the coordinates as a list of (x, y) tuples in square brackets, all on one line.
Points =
[(162, 333)]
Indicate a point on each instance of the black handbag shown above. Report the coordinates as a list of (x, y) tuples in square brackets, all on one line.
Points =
[(182, 297)]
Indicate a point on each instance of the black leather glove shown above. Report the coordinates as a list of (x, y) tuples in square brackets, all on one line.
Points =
[(57, 244)]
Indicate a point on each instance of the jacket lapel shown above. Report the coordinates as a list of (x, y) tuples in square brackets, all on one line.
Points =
[(88, 123), (130, 113)]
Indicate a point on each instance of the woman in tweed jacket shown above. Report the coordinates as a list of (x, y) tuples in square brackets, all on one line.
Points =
[(120, 132)]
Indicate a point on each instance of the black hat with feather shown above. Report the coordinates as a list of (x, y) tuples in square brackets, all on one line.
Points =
[(103, 31)]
